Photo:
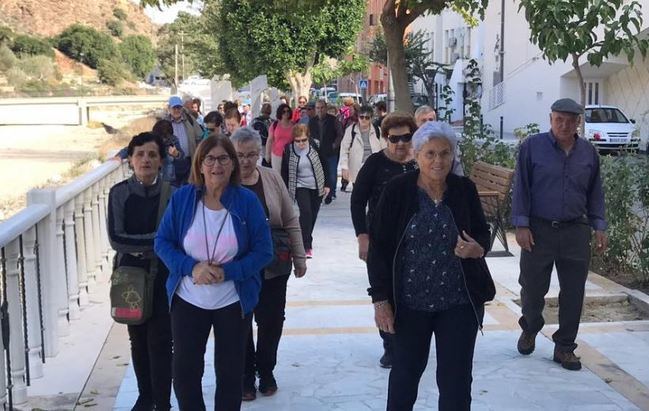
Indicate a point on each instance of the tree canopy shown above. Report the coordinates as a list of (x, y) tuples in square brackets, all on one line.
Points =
[(86, 45), (596, 29), (283, 40), (137, 52)]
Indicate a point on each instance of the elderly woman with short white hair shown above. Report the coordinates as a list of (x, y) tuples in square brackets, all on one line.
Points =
[(269, 187), (427, 271)]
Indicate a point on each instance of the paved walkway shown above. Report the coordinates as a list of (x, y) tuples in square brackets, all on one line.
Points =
[(328, 356)]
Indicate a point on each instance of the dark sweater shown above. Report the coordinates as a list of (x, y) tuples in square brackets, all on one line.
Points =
[(398, 204), (370, 182), (132, 217)]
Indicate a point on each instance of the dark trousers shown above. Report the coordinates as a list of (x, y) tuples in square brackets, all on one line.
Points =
[(387, 342), (332, 163), (308, 201), (151, 353), (568, 247), (269, 316), (455, 332), (191, 327)]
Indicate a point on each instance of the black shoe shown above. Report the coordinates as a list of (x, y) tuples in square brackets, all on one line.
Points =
[(526, 343), (143, 404), (249, 393), (328, 199), (568, 360), (267, 385), (343, 187), (386, 360)]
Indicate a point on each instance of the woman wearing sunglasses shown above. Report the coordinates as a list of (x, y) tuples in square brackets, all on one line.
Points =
[(360, 141), (381, 167), (279, 135)]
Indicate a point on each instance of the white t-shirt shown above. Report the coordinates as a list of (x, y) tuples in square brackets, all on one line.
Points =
[(210, 296)]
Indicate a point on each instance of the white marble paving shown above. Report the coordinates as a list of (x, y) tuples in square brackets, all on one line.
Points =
[(626, 349)]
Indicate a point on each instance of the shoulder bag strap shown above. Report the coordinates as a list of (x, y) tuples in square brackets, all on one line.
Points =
[(165, 193)]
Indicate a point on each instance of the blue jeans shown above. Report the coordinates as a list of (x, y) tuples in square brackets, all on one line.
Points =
[(332, 163)]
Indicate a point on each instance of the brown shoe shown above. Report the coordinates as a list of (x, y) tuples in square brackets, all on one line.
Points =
[(249, 393), (568, 360), (526, 343)]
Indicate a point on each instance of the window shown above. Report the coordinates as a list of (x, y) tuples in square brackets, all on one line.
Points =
[(592, 92)]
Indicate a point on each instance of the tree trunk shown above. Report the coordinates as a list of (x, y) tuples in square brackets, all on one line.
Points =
[(582, 91), (394, 31), (300, 83)]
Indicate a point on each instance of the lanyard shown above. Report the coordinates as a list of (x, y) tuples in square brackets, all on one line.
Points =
[(210, 256)]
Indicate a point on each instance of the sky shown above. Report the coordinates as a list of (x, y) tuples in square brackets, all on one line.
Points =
[(168, 14)]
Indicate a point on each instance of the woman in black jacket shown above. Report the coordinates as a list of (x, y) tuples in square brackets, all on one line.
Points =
[(427, 271)]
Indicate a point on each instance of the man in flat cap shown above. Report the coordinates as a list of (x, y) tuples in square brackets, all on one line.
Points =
[(557, 200)]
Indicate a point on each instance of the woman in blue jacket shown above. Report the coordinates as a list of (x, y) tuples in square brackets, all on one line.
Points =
[(215, 240)]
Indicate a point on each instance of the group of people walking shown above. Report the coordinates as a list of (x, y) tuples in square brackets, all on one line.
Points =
[(230, 237)]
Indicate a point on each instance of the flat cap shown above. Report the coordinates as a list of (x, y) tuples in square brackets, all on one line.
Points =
[(567, 105)]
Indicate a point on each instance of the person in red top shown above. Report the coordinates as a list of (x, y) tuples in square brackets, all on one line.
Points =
[(279, 134), (297, 113)]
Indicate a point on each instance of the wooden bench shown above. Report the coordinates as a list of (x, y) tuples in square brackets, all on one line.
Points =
[(494, 185)]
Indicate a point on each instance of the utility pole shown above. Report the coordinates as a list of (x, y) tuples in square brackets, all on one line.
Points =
[(502, 41), (182, 52), (176, 68)]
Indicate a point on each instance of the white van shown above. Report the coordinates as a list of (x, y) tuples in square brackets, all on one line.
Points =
[(608, 128)]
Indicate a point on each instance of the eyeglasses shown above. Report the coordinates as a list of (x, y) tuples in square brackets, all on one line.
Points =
[(403, 137), (442, 155), (249, 156), (365, 117), (301, 140), (223, 160)]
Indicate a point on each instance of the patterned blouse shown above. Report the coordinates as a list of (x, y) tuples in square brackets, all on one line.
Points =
[(432, 273)]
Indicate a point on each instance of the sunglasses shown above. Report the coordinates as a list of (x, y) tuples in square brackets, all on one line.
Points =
[(365, 117), (403, 137)]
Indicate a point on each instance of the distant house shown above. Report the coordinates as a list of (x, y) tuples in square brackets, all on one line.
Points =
[(157, 78)]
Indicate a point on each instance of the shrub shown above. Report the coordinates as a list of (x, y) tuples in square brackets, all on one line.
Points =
[(111, 72), (86, 45), (31, 46), (119, 14), (16, 77), (39, 67), (138, 54), (6, 34), (7, 58), (625, 181), (116, 28)]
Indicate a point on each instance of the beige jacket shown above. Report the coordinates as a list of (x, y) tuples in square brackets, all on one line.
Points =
[(351, 152), (281, 212)]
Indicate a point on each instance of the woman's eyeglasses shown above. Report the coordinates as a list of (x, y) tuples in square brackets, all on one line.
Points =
[(223, 160), (403, 137), (364, 117), (249, 156)]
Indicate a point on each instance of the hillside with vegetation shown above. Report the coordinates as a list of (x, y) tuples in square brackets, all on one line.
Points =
[(83, 48)]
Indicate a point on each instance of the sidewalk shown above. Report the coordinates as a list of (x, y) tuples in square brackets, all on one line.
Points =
[(328, 356)]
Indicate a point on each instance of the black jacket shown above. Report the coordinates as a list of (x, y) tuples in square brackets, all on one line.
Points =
[(330, 137), (398, 204)]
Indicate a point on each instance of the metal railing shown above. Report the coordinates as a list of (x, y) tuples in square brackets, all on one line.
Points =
[(52, 255)]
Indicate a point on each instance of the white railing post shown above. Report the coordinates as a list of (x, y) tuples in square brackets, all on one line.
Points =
[(71, 261), (62, 288), (52, 277), (103, 233), (16, 336), (90, 240), (96, 233), (81, 251), (34, 342)]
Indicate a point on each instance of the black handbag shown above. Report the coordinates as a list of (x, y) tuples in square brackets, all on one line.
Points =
[(132, 288), (282, 262)]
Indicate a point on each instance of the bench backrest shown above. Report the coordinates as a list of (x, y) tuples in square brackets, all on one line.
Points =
[(491, 179)]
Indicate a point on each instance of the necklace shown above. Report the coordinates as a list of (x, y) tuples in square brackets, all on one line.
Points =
[(210, 256)]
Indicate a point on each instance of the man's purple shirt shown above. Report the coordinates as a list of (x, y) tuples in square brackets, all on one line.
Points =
[(556, 186)]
